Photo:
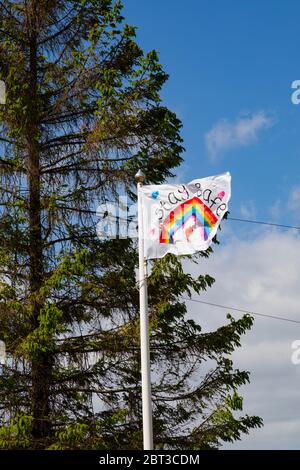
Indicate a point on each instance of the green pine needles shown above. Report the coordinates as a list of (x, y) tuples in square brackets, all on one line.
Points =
[(82, 114)]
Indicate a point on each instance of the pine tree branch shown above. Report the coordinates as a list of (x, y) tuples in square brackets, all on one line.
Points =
[(12, 164), (2, 4), (59, 32), (10, 35), (94, 390), (8, 141)]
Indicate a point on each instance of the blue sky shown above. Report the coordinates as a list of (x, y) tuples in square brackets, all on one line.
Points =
[(230, 61), (231, 65)]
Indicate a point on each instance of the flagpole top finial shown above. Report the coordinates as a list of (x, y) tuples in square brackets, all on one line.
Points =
[(140, 177)]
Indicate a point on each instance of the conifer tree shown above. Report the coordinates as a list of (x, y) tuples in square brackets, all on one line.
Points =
[(82, 115)]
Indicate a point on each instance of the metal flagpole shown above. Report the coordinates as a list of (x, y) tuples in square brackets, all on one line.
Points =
[(144, 327)]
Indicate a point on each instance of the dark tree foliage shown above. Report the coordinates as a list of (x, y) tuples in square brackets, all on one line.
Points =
[(83, 113)]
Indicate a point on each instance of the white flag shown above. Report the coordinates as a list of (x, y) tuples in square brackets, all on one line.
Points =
[(183, 218)]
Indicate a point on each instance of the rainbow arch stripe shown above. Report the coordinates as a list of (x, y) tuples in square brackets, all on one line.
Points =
[(188, 216)]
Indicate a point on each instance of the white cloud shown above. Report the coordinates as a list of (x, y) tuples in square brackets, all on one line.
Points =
[(261, 275), (294, 199), (226, 135), (181, 174), (276, 210), (248, 210)]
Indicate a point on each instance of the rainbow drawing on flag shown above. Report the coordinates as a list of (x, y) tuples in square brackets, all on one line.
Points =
[(188, 216)]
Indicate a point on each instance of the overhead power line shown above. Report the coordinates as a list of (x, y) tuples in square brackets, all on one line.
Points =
[(272, 224), (234, 219), (226, 307)]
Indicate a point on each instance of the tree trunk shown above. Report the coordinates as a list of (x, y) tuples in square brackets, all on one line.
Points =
[(40, 363)]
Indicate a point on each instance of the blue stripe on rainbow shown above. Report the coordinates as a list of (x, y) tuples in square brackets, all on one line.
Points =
[(194, 209)]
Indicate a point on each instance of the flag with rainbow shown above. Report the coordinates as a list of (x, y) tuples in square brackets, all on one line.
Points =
[(183, 218)]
